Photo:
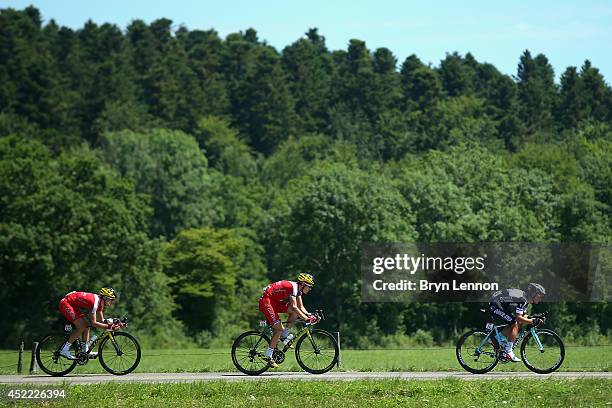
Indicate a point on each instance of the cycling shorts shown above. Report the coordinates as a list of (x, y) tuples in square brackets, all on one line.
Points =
[(69, 312), (271, 308), (504, 314)]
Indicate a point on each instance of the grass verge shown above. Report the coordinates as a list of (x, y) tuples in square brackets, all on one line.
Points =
[(596, 358), (490, 393)]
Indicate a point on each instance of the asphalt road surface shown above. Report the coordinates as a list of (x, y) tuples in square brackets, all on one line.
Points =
[(331, 376)]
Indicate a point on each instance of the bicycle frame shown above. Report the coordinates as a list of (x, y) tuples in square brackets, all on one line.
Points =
[(107, 333), (517, 341), (305, 329), (102, 337)]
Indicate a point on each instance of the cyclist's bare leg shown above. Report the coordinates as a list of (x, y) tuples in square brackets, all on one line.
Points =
[(292, 316), (80, 325), (86, 334), (278, 330), (511, 331)]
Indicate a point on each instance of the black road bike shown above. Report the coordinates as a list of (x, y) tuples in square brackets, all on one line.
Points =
[(119, 352), (316, 350)]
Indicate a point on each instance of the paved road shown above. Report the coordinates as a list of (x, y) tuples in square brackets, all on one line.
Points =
[(192, 377)]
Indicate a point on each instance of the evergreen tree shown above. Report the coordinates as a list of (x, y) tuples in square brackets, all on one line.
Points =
[(536, 92), (456, 75), (207, 90), (595, 92), (571, 108), (422, 87), (309, 71), (262, 108)]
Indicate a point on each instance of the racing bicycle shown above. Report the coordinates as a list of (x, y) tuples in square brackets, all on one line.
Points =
[(542, 350), (316, 350), (119, 352)]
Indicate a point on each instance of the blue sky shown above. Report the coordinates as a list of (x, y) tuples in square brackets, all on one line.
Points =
[(567, 32)]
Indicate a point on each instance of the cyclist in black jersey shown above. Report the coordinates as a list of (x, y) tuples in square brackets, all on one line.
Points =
[(509, 307)]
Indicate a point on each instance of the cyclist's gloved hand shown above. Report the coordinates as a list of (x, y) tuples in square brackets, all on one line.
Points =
[(312, 319), (536, 321)]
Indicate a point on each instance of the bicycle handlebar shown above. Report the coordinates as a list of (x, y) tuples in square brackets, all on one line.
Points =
[(539, 315), (318, 313)]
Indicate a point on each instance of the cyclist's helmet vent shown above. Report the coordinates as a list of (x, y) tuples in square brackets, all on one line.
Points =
[(109, 293), (306, 278), (536, 289)]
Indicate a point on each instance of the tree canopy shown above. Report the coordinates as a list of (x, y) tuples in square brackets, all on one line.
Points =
[(189, 170)]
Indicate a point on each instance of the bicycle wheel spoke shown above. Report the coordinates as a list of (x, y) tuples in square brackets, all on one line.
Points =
[(247, 352), (547, 359), (121, 356), (48, 357), (475, 354), (317, 353)]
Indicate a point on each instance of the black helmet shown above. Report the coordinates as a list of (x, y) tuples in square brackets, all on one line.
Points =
[(536, 289)]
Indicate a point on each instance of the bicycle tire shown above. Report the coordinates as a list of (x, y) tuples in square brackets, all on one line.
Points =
[(45, 359), (301, 355), (493, 355), (551, 339), (124, 350), (238, 352)]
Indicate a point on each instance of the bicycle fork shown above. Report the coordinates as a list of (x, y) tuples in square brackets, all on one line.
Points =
[(537, 339), (115, 345)]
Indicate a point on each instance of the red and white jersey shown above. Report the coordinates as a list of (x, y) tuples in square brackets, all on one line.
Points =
[(85, 301), (281, 290)]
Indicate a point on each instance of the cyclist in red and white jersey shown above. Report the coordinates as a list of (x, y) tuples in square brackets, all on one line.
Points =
[(285, 297), (84, 309)]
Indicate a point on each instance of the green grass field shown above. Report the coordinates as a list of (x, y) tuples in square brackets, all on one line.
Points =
[(596, 358), (436, 393)]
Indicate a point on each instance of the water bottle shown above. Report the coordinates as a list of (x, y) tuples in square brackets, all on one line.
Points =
[(289, 339), (91, 341)]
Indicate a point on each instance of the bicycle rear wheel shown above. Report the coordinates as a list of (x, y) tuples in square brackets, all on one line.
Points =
[(48, 355), (121, 355), (549, 358), (473, 355), (317, 353), (248, 352)]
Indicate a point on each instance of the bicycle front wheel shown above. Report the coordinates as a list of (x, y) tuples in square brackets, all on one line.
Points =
[(119, 353), (475, 354), (317, 352), (48, 355), (248, 352), (549, 357)]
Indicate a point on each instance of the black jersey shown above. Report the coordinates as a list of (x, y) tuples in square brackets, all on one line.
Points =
[(511, 300)]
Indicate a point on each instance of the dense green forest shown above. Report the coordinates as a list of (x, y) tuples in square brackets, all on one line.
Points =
[(189, 170)]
